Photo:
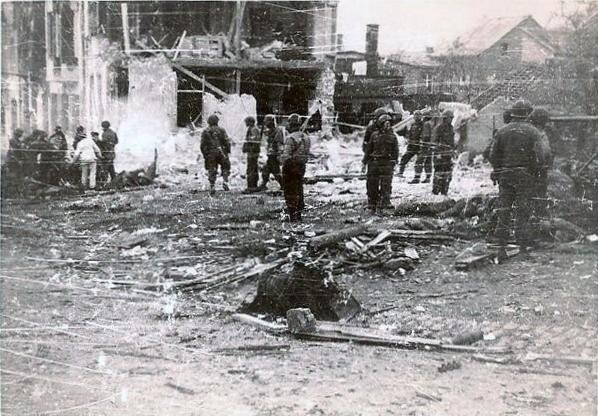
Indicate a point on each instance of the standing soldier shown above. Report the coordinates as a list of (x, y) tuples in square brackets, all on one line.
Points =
[(109, 142), (60, 148), (294, 158), (215, 148), (424, 157), (414, 137), (443, 138), (251, 147), (515, 161), (539, 119), (102, 172), (380, 156), (15, 156), (275, 141)]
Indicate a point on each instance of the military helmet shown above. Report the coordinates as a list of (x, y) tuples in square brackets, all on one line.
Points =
[(384, 118), (379, 112), (294, 119), (213, 120), (250, 120), (105, 124), (521, 109), (539, 117)]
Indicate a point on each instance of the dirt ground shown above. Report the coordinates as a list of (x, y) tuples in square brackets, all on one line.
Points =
[(74, 344)]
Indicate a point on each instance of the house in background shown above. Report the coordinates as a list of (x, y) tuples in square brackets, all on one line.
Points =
[(494, 51)]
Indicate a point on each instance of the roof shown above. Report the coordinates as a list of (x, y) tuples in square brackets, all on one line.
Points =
[(489, 33), (419, 59)]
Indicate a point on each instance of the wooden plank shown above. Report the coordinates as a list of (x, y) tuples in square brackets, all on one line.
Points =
[(336, 236), (202, 80), (377, 240), (178, 48), (259, 323)]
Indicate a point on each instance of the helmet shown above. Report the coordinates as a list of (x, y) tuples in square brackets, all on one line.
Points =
[(80, 129), (521, 109), (384, 118), (506, 116), (447, 114), (539, 117), (379, 112), (294, 119), (105, 124), (95, 133), (213, 120), (19, 132), (250, 120)]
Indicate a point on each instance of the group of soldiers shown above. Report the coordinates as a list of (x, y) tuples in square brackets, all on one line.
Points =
[(49, 160), (430, 139), (287, 151)]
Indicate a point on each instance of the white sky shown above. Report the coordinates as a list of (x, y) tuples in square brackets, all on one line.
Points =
[(414, 24)]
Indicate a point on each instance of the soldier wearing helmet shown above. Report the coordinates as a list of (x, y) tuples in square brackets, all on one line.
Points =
[(413, 144), (274, 136), (515, 160), (294, 157), (539, 119), (443, 141), (109, 142), (251, 147), (380, 156), (215, 148), (372, 126)]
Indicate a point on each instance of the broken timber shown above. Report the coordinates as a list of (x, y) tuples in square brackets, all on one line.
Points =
[(331, 332), (336, 236), (330, 178), (202, 80)]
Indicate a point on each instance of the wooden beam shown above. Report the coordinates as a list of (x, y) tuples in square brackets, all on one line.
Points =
[(178, 49), (202, 80), (125, 22)]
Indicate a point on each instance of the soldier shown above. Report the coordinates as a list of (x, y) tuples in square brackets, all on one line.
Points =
[(251, 147), (515, 161), (41, 153), (109, 142), (15, 156), (101, 172), (424, 157), (380, 156), (275, 141), (372, 126), (539, 119), (215, 148), (443, 138), (294, 158), (58, 156), (413, 144), (79, 135)]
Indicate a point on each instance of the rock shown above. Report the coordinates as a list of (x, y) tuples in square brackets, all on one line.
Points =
[(301, 320)]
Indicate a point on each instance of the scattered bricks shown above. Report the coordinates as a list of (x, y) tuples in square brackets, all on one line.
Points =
[(301, 320)]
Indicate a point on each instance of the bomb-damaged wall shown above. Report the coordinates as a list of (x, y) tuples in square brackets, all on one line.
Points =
[(149, 116)]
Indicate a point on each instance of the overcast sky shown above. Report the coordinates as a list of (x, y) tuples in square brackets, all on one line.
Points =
[(414, 24)]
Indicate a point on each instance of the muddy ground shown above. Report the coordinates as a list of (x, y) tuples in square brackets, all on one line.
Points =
[(72, 343)]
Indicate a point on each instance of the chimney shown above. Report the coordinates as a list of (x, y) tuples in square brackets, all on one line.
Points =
[(339, 42), (371, 50)]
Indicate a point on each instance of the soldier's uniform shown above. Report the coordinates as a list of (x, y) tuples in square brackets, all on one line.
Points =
[(15, 156), (424, 157), (515, 161), (381, 155), (372, 126), (42, 152), (443, 139), (58, 156), (414, 136), (275, 141), (215, 148), (251, 147), (294, 158), (109, 142)]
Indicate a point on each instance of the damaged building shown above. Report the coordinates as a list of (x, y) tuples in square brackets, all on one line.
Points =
[(170, 62)]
